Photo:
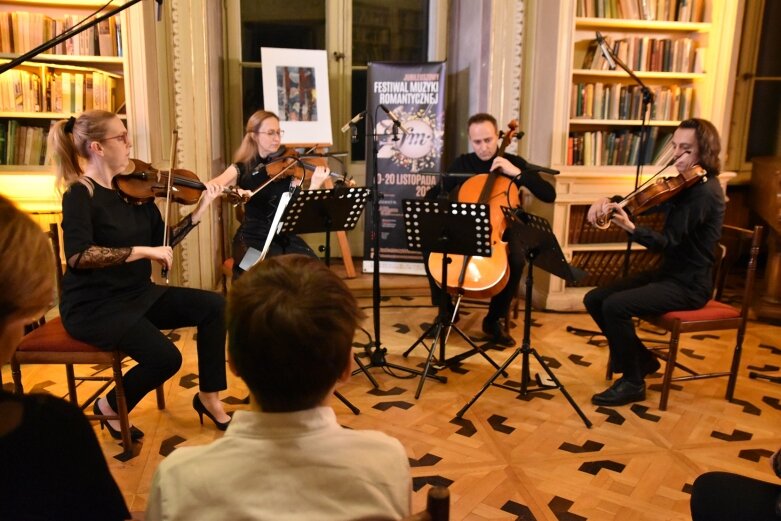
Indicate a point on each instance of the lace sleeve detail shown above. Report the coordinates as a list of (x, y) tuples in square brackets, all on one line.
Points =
[(99, 257), (180, 230)]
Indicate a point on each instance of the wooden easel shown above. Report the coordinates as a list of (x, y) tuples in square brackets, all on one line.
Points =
[(341, 236)]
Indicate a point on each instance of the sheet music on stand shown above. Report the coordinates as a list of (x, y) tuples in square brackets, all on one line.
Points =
[(313, 211)]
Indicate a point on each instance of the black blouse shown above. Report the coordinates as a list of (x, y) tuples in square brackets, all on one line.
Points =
[(98, 305), (52, 467), (260, 210)]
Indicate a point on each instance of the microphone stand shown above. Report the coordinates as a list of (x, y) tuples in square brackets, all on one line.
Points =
[(647, 100), (65, 35), (375, 350)]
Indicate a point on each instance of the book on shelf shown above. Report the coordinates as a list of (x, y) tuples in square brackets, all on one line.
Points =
[(665, 10)]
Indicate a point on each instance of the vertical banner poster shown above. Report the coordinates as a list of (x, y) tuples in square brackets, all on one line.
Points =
[(408, 165)]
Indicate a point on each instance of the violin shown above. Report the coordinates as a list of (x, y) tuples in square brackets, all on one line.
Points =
[(142, 183), (483, 277), (654, 194), (287, 162)]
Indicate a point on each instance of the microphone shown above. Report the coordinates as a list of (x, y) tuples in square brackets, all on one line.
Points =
[(606, 52), (358, 117), (392, 116)]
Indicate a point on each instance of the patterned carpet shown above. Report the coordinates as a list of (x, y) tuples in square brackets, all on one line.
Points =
[(511, 456)]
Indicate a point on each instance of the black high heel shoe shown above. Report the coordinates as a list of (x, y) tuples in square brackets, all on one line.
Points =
[(201, 409), (135, 433)]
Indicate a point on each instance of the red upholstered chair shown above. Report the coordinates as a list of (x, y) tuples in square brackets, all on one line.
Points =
[(437, 506), (715, 315), (49, 343)]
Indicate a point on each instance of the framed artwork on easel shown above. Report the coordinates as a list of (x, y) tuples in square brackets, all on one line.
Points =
[(295, 87)]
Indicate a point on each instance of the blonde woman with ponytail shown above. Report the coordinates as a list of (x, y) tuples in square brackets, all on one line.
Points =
[(108, 297)]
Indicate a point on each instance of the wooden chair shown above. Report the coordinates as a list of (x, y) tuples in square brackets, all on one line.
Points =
[(48, 343), (437, 506), (714, 316)]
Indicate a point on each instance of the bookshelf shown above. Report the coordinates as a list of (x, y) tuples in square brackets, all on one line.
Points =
[(682, 50), (84, 72)]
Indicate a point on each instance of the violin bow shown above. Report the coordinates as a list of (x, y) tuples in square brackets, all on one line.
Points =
[(168, 190)]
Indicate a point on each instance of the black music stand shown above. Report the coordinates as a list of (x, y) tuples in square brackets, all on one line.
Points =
[(543, 250), (315, 211), (447, 228)]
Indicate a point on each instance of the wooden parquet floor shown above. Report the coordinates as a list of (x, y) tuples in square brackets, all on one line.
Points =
[(511, 456)]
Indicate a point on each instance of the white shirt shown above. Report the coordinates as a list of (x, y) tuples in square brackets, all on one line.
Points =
[(284, 466)]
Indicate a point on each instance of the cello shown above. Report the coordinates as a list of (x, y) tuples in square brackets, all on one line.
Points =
[(483, 277)]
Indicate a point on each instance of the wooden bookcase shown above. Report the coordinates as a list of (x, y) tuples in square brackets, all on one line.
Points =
[(87, 71), (594, 131)]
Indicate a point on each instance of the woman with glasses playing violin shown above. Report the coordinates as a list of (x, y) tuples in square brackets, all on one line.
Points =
[(261, 147), (687, 242), (108, 299)]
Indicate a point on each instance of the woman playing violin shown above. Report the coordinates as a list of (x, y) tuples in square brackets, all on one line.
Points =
[(260, 148), (108, 299), (687, 242)]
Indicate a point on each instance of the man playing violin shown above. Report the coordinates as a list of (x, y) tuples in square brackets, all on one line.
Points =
[(261, 146), (684, 280), (483, 134)]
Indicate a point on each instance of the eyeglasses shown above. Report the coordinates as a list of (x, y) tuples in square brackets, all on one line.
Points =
[(122, 138), (271, 133)]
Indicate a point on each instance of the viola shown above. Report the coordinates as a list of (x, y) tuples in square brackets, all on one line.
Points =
[(483, 277), (654, 194), (142, 183)]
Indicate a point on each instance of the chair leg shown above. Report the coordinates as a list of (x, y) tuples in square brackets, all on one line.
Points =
[(672, 354), (70, 376), (160, 398), (609, 369), (733, 373), (122, 412), (16, 376)]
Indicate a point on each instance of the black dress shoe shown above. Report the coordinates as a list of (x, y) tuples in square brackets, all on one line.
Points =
[(621, 392), (496, 334)]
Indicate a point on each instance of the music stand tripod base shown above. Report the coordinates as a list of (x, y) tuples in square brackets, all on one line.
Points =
[(541, 247), (450, 228)]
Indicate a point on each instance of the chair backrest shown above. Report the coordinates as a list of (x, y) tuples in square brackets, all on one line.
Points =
[(437, 506), (54, 237), (737, 241)]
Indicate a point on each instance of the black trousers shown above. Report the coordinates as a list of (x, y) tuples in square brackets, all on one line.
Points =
[(157, 357), (614, 306), (500, 303), (723, 496)]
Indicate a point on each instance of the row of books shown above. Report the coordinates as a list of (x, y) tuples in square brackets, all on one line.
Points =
[(602, 267), (643, 53), (582, 232), (617, 101), (21, 31), (21, 144), (616, 147), (61, 91), (664, 10)]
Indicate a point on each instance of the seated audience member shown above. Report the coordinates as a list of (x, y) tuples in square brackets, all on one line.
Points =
[(51, 466), (291, 323), (724, 496)]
